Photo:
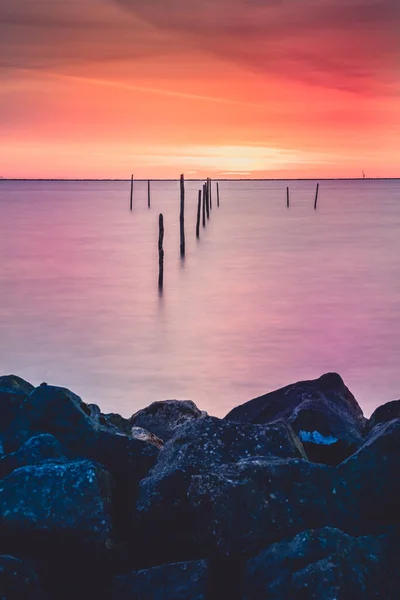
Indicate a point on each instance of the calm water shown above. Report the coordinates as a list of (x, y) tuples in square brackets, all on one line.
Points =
[(267, 296)]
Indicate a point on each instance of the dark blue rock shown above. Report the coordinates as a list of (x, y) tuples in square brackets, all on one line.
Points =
[(323, 412), (179, 581), (36, 450), (372, 476), (383, 414), (322, 565), (200, 446), (244, 506), (164, 417), (18, 580)]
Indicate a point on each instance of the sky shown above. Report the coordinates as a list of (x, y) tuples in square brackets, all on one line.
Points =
[(219, 88)]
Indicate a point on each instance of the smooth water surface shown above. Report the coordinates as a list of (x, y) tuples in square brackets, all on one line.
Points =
[(266, 297)]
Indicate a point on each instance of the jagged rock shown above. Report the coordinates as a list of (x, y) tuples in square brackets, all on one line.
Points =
[(323, 413), (162, 418), (383, 414), (372, 475), (36, 450), (55, 410), (138, 433), (58, 411), (13, 391), (179, 581), (70, 499), (323, 564), (18, 580), (198, 447), (115, 421), (244, 506), (13, 383)]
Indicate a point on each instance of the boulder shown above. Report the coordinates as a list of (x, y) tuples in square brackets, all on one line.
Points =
[(138, 433), (324, 564), (200, 446), (383, 414), (164, 417), (36, 450), (13, 383), (13, 391), (372, 476), (52, 499), (179, 581), (18, 580), (60, 515), (244, 506), (55, 410), (323, 413), (60, 412), (116, 422)]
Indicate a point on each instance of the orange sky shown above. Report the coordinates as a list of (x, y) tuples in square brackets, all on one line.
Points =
[(103, 88)]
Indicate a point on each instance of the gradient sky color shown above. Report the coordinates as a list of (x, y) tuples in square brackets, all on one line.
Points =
[(226, 88)]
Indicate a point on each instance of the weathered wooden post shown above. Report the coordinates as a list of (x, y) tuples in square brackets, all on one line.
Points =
[(131, 192), (287, 197), (210, 193), (207, 199), (160, 252), (182, 217), (204, 204), (198, 216), (316, 197), (217, 194), (148, 193)]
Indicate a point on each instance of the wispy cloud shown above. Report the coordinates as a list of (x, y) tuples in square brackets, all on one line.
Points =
[(351, 44)]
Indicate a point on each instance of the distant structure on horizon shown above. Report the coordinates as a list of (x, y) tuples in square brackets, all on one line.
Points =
[(363, 175)]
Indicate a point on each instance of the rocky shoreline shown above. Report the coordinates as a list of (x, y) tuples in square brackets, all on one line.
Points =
[(293, 494)]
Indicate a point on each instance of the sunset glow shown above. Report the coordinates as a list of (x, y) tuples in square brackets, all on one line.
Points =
[(101, 88)]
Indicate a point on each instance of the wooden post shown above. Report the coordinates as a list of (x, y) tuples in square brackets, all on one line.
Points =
[(210, 193), (148, 193), (217, 194), (204, 205), (160, 252), (287, 197), (316, 197), (182, 216), (131, 192), (207, 199), (198, 216)]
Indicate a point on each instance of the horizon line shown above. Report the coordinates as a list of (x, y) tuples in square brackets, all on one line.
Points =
[(202, 179)]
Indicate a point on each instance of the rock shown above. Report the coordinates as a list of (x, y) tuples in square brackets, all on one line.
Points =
[(12, 383), (36, 450), (55, 410), (179, 581), (115, 420), (162, 418), (13, 391), (60, 412), (383, 414), (52, 499), (372, 476), (200, 446), (18, 580), (244, 506), (323, 413), (320, 564), (141, 434), (60, 515)]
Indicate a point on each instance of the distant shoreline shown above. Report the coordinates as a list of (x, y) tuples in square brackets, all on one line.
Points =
[(215, 179)]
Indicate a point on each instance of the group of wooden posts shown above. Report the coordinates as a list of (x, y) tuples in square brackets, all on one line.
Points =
[(315, 200), (204, 207)]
